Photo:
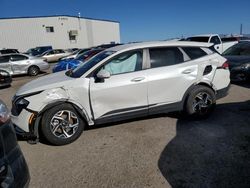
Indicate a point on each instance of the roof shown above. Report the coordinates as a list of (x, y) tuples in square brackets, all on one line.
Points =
[(30, 17), (204, 35), (159, 44)]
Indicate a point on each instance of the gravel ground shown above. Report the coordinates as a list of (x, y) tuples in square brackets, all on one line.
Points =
[(163, 151)]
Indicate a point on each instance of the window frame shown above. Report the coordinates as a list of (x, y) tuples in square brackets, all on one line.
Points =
[(96, 70), (161, 47), (7, 57), (25, 57), (49, 29)]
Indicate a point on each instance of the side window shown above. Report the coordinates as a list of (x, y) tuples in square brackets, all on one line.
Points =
[(215, 40), (125, 63), (50, 53), (160, 57), (194, 52), (18, 57), (4, 59), (245, 51)]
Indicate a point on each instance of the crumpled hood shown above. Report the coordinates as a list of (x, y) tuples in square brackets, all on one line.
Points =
[(54, 80)]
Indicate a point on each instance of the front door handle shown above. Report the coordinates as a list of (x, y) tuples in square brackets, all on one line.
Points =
[(138, 79)]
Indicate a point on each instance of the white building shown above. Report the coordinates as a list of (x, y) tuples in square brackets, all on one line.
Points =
[(58, 31)]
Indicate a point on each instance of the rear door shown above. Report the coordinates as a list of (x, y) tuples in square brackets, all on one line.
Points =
[(124, 94), (169, 77), (5, 63), (19, 63)]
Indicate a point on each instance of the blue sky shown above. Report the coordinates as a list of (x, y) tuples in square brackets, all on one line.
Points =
[(144, 20)]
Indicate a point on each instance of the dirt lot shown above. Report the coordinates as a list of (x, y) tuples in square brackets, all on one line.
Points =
[(161, 151)]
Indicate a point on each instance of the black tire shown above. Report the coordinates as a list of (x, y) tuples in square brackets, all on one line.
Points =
[(201, 102), (33, 71), (62, 128)]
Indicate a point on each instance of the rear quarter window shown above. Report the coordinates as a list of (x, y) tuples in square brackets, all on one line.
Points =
[(194, 52)]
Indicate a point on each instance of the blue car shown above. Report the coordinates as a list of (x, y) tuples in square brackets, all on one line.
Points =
[(73, 63)]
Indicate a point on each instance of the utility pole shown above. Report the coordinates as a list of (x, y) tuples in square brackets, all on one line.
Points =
[(241, 29)]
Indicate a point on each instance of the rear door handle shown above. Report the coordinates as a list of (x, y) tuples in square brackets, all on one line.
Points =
[(188, 71), (138, 79)]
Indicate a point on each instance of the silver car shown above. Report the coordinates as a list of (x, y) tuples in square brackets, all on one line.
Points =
[(17, 64)]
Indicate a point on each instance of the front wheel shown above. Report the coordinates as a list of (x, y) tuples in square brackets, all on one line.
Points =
[(62, 125), (33, 71), (200, 102)]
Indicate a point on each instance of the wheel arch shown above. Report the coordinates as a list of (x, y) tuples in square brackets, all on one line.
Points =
[(38, 120), (187, 93)]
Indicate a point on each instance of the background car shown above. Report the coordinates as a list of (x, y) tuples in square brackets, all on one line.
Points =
[(14, 171), (5, 78), (73, 63), (238, 57), (38, 50), (54, 55), (75, 54), (22, 64), (8, 51)]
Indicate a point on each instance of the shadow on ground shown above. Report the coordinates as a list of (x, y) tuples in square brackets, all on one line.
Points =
[(210, 153)]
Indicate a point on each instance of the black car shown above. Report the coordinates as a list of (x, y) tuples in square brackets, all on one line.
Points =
[(238, 57), (14, 171), (8, 51), (5, 78)]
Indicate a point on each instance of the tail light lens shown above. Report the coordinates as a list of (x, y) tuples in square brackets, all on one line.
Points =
[(4, 113), (225, 65)]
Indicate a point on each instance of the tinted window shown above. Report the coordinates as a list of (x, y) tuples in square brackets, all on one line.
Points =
[(125, 63), (4, 59), (18, 57), (9, 51), (160, 57), (198, 39), (241, 49), (193, 52), (215, 40)]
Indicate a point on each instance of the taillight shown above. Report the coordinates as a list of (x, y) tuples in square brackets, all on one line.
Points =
[(225, 65)]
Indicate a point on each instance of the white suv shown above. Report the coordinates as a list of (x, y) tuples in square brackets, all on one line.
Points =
[(120, 83)]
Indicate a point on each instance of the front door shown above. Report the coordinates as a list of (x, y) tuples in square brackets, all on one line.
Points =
[(124, 94), (5, 64)]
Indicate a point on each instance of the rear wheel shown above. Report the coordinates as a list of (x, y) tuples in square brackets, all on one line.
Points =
[(61, 125), (200, 102), (33, 71)]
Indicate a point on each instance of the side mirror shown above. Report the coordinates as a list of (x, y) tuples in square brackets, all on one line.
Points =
[(103, 74)]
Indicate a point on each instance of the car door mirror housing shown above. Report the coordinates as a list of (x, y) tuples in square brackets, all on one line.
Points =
[(103, 74)]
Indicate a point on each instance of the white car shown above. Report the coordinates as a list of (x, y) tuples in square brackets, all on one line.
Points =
[(120, 83), (54, 55), (219, 46)]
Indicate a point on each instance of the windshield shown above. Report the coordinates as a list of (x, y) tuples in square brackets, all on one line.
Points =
[(238, 49), (84, 67), (198, 39)]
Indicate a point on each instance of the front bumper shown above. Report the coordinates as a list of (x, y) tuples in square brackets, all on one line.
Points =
[(222, 92)]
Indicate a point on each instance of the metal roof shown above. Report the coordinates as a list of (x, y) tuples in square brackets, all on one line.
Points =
[(30, 17)]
